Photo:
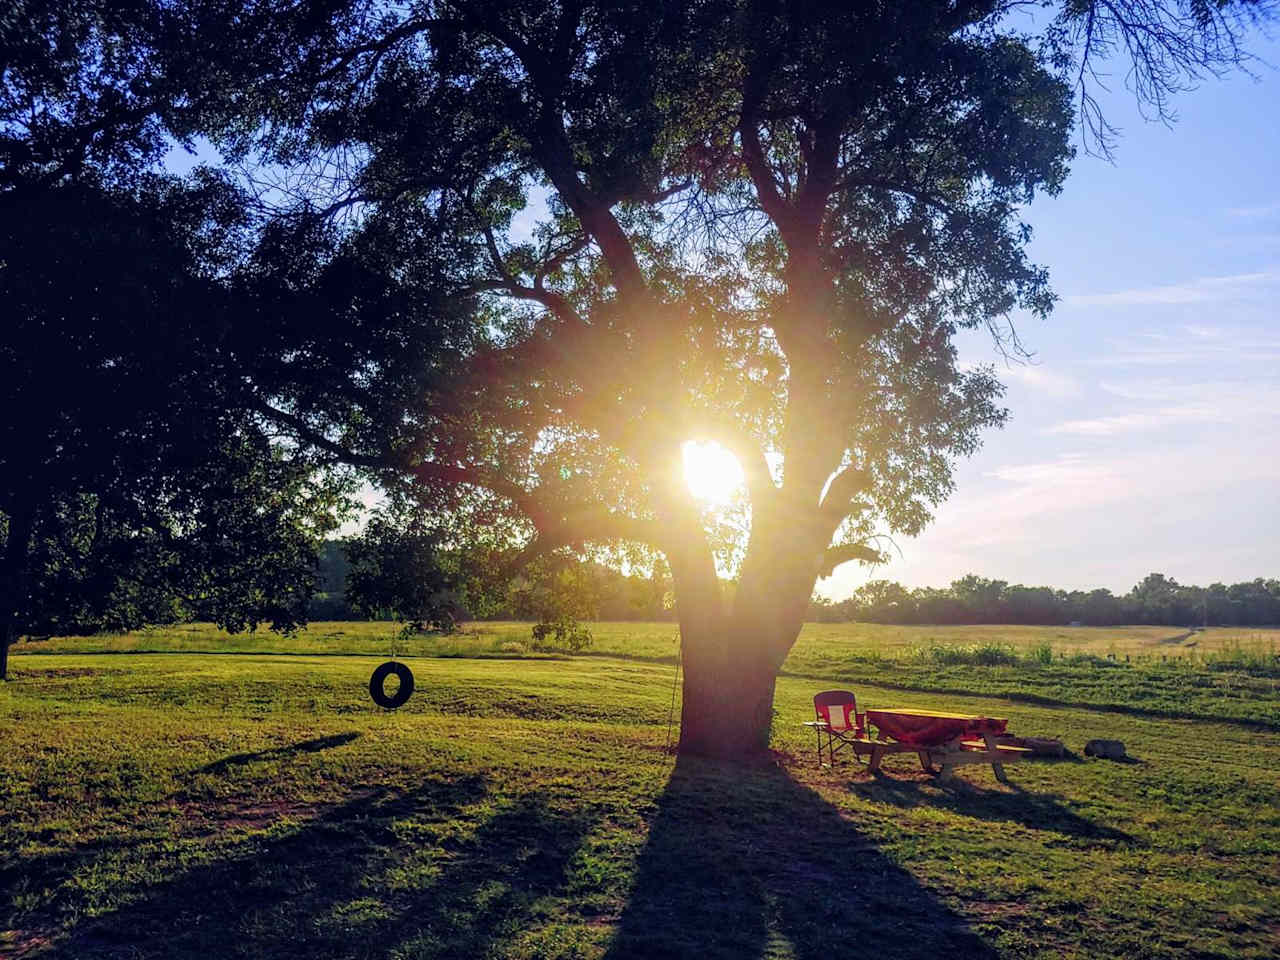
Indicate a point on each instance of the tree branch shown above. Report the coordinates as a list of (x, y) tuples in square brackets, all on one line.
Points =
[(833, 557), (766, 186), (841, 491), (307, 434), (893, 186), (553, 301)]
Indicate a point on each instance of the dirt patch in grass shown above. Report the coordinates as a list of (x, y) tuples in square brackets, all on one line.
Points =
[(250, 815), (203, 817), (995, 911), (61, 673)]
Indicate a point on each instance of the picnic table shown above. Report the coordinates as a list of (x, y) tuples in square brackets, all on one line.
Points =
[(947, 739)]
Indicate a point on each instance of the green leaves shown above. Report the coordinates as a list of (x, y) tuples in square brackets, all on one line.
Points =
[(397, 568)]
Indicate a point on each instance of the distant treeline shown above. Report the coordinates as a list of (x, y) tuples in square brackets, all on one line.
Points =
[(972, 599), (1158, 599), (607, 593)]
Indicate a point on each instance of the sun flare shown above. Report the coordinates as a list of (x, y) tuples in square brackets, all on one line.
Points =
[(712, 472)]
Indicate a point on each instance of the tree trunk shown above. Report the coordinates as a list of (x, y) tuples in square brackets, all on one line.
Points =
[(731, 664), (732, 658), (13, 583), (727, 710)]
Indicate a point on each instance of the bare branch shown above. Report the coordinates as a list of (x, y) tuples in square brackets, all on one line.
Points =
[(1170, 46)]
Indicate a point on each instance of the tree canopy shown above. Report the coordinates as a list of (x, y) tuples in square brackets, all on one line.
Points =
[(137, 485), (515, 255)]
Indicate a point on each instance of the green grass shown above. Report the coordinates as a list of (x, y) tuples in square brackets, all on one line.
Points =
[(1227, 674), (830, 641), (257, 804)]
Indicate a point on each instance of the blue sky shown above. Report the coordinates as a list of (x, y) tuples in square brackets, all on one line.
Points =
[(1146, 436)]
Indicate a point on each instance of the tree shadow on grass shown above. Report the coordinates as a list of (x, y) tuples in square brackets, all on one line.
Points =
[(746, 862), (385, 874), (1010, 805), (279, 753)]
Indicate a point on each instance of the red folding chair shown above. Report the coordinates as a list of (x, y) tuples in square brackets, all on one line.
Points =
[(839, 721)]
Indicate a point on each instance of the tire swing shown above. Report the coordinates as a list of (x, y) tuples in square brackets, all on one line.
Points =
[(378, 681)]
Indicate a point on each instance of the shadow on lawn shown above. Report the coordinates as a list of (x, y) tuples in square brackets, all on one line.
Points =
[(739, 862), (750, 863), (279, 753), (380, 875), (1010, 805)]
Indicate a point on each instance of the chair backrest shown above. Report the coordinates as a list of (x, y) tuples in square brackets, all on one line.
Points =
[(839, 708)]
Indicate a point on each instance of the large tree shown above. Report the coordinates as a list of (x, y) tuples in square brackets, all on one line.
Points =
[(627, 226), (522, 252)]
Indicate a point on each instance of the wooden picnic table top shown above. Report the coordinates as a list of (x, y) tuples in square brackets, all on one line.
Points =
[(939, 714), (932, 728)]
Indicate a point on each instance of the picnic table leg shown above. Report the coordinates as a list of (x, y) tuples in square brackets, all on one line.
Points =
[(945, 754), (877, 754), (994, 750), (926, 764)]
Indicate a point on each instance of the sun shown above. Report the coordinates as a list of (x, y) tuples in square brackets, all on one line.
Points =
[(712, 472)]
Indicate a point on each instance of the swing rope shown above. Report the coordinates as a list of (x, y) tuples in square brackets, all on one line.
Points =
[(671, 713)]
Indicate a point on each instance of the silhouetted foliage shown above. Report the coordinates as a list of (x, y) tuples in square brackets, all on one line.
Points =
[(395, 570), (137, 487), (137, 483)]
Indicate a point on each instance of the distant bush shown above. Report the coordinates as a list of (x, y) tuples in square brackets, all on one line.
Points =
[(979, 655), (1089, 660), (331, 606), (1253, 664), (562, 633)]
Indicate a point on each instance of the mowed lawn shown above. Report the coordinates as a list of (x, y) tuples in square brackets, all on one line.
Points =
[(258, 804)]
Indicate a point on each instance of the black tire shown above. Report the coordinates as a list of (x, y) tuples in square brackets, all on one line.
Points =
[(379, 678)]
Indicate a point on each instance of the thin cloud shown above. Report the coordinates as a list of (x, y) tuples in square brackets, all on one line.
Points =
[(1029, 498), (1041, 380), (1259, 212), (1223, 347), (1131, 422), (1179, 404), (1242, 286)]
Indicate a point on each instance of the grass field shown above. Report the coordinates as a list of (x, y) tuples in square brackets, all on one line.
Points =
[(659, 640), (257, 804)]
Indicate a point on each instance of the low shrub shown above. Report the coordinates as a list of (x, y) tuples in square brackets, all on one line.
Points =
[(562, 633), (1041, 653), (979, 655)]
